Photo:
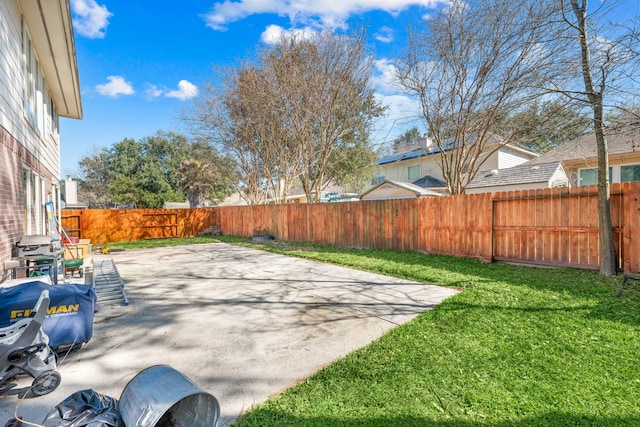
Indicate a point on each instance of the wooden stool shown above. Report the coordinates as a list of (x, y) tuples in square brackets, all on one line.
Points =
[(627, 276)]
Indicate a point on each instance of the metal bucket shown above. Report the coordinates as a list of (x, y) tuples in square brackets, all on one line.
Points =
[(160, 396)]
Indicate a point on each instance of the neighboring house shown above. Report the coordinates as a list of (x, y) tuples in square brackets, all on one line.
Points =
[(527, 176), (387, 190), (331, 193), (234, 199), (70, 195), (580, 161), (424, 162), (430, 183), (38, 83), (176, 205)]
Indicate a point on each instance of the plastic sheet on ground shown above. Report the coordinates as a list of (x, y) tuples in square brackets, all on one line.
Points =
[(85, 408)]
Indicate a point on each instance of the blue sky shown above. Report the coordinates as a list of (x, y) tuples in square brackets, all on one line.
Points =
[(142, 62)]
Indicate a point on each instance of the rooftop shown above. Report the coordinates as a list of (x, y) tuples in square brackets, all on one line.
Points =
[(524, 174)]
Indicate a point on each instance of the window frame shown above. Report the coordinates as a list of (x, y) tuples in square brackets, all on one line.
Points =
[(36, 96), (414, 168), (634, 165), (378, 178), (580, 171)]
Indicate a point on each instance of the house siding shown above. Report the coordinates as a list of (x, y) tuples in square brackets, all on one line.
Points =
[(430, 165), (22, 145), (398, 171), (615, 163), (499, 188), (509, 158), (559, 179)]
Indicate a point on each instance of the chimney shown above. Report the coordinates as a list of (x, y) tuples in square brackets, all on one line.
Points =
[(428, 142), (70, 192)]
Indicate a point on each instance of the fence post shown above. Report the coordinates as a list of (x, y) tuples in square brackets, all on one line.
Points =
[(631, 227)]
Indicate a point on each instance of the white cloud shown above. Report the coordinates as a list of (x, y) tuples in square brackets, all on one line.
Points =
[(152, 91), (274, 33), (403, 110), (186, 91), (384, 77), (90, 18), (329, 14), (384, 35), (117, 86)]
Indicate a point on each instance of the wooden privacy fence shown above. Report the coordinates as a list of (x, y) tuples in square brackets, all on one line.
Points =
[(459, 225), (556, 227), (127, 225)]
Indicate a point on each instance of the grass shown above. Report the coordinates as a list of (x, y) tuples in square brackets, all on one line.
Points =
[(519, 346), (156, 243)]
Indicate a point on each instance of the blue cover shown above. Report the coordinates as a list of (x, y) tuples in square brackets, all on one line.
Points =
[(69, 318)]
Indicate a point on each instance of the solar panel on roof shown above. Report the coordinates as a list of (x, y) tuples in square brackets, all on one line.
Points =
[(411, 155), (389, 159), (446, 145)]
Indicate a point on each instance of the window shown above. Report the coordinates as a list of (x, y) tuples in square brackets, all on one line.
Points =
[(34, 86), (30, 79), (34, 188), (33, 192), (629, 173), (42, 214), (40, 103), (377, 178), (53, 116), (413, 173), (590, 176), (26, 187)]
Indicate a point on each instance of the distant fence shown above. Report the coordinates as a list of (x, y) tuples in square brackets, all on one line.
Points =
[(126, 225), (556, 227)]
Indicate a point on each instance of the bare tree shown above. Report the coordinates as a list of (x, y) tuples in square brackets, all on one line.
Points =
[(604, 56), (327, 104), (217, 117), (471, 66), (302, 109), (262, 129)]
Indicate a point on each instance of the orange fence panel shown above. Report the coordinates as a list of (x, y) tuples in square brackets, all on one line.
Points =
[(115, 225)]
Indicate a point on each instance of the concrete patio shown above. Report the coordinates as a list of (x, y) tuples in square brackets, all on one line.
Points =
[(242, 324)]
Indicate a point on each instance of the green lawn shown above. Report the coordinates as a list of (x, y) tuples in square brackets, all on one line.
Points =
[(518, 346)]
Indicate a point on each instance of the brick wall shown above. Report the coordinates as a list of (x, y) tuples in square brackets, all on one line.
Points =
[(13, 156), (11, 194)]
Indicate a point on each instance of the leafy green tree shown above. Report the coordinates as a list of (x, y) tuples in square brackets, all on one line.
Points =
[(146, 173), (353, 168), (209, 179), (93, 186), (547, 126), (407, 140)]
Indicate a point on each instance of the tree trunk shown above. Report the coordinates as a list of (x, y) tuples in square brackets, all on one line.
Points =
[(607, 251)]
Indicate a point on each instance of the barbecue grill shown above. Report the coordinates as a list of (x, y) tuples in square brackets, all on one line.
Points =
[(35, 246)]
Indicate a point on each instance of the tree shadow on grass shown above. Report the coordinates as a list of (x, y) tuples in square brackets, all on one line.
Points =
[(464, 273)]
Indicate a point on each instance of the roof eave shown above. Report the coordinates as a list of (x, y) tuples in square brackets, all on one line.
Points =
[(51, 30)]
